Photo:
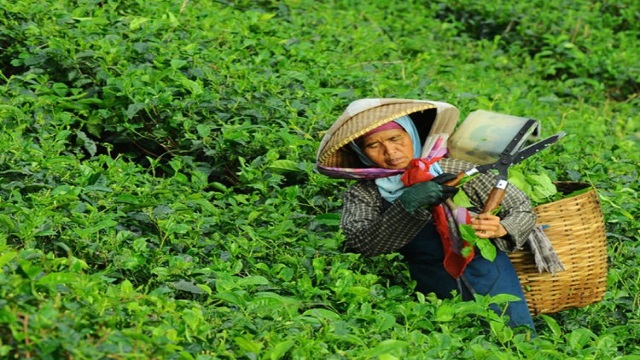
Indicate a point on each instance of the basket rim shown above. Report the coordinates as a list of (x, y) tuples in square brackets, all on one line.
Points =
[(588, 188)]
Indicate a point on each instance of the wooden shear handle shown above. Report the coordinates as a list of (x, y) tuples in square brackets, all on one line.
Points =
[(495, 197), (456, 181)]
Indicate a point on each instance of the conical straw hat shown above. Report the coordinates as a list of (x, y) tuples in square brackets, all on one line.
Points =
[(364, 115)]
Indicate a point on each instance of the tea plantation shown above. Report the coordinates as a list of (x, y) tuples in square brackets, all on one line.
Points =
[(158, 191)]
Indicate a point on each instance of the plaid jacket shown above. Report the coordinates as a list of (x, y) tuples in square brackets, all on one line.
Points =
[(372, 230)]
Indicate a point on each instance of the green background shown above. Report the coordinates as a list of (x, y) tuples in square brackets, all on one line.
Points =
[(158, 190)]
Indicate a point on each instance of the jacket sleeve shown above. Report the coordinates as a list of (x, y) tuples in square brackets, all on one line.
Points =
[(516, 213), (371, 228)]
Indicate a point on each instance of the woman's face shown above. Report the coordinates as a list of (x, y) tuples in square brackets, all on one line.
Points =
[(389, 149)]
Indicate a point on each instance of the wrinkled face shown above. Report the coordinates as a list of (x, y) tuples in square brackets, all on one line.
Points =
[(389, 149)]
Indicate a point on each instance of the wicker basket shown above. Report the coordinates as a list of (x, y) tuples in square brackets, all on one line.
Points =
[(577, 233)]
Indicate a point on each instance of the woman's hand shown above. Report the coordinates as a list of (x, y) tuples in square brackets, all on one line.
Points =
[(488, 226)]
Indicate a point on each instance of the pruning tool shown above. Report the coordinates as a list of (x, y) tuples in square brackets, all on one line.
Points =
[(512, 154)]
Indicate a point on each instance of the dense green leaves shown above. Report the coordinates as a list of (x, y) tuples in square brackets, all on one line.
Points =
[(157, 183)]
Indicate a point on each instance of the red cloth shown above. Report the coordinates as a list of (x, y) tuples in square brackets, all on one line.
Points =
[(418, 171), (454, 261)]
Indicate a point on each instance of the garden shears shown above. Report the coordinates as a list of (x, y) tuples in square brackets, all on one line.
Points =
[(512, 154)]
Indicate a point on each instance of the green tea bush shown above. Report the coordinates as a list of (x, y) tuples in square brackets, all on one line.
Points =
[(561, 45), (160, 199)]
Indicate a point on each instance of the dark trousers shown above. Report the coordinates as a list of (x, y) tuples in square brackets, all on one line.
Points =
[(425, 255)]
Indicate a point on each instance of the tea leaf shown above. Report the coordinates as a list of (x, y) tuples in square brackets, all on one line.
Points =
[(445, 313), (87, 143), (187, 286), (487, 249), (280, 349), (322, 314), (284, 165), (462, 199), (332, 219), (6, 257), (553, 325), (385, 347), (248, 345), (58, 278)]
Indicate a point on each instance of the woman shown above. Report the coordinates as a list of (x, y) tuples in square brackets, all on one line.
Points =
[(383, 215)]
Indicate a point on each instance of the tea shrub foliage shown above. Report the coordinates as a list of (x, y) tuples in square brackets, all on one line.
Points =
[(158, 190)]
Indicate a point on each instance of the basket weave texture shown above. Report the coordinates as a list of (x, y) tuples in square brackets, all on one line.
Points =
[(575, 226)]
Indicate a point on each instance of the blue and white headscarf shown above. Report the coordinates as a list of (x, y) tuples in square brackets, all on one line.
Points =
[(391, 187)]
